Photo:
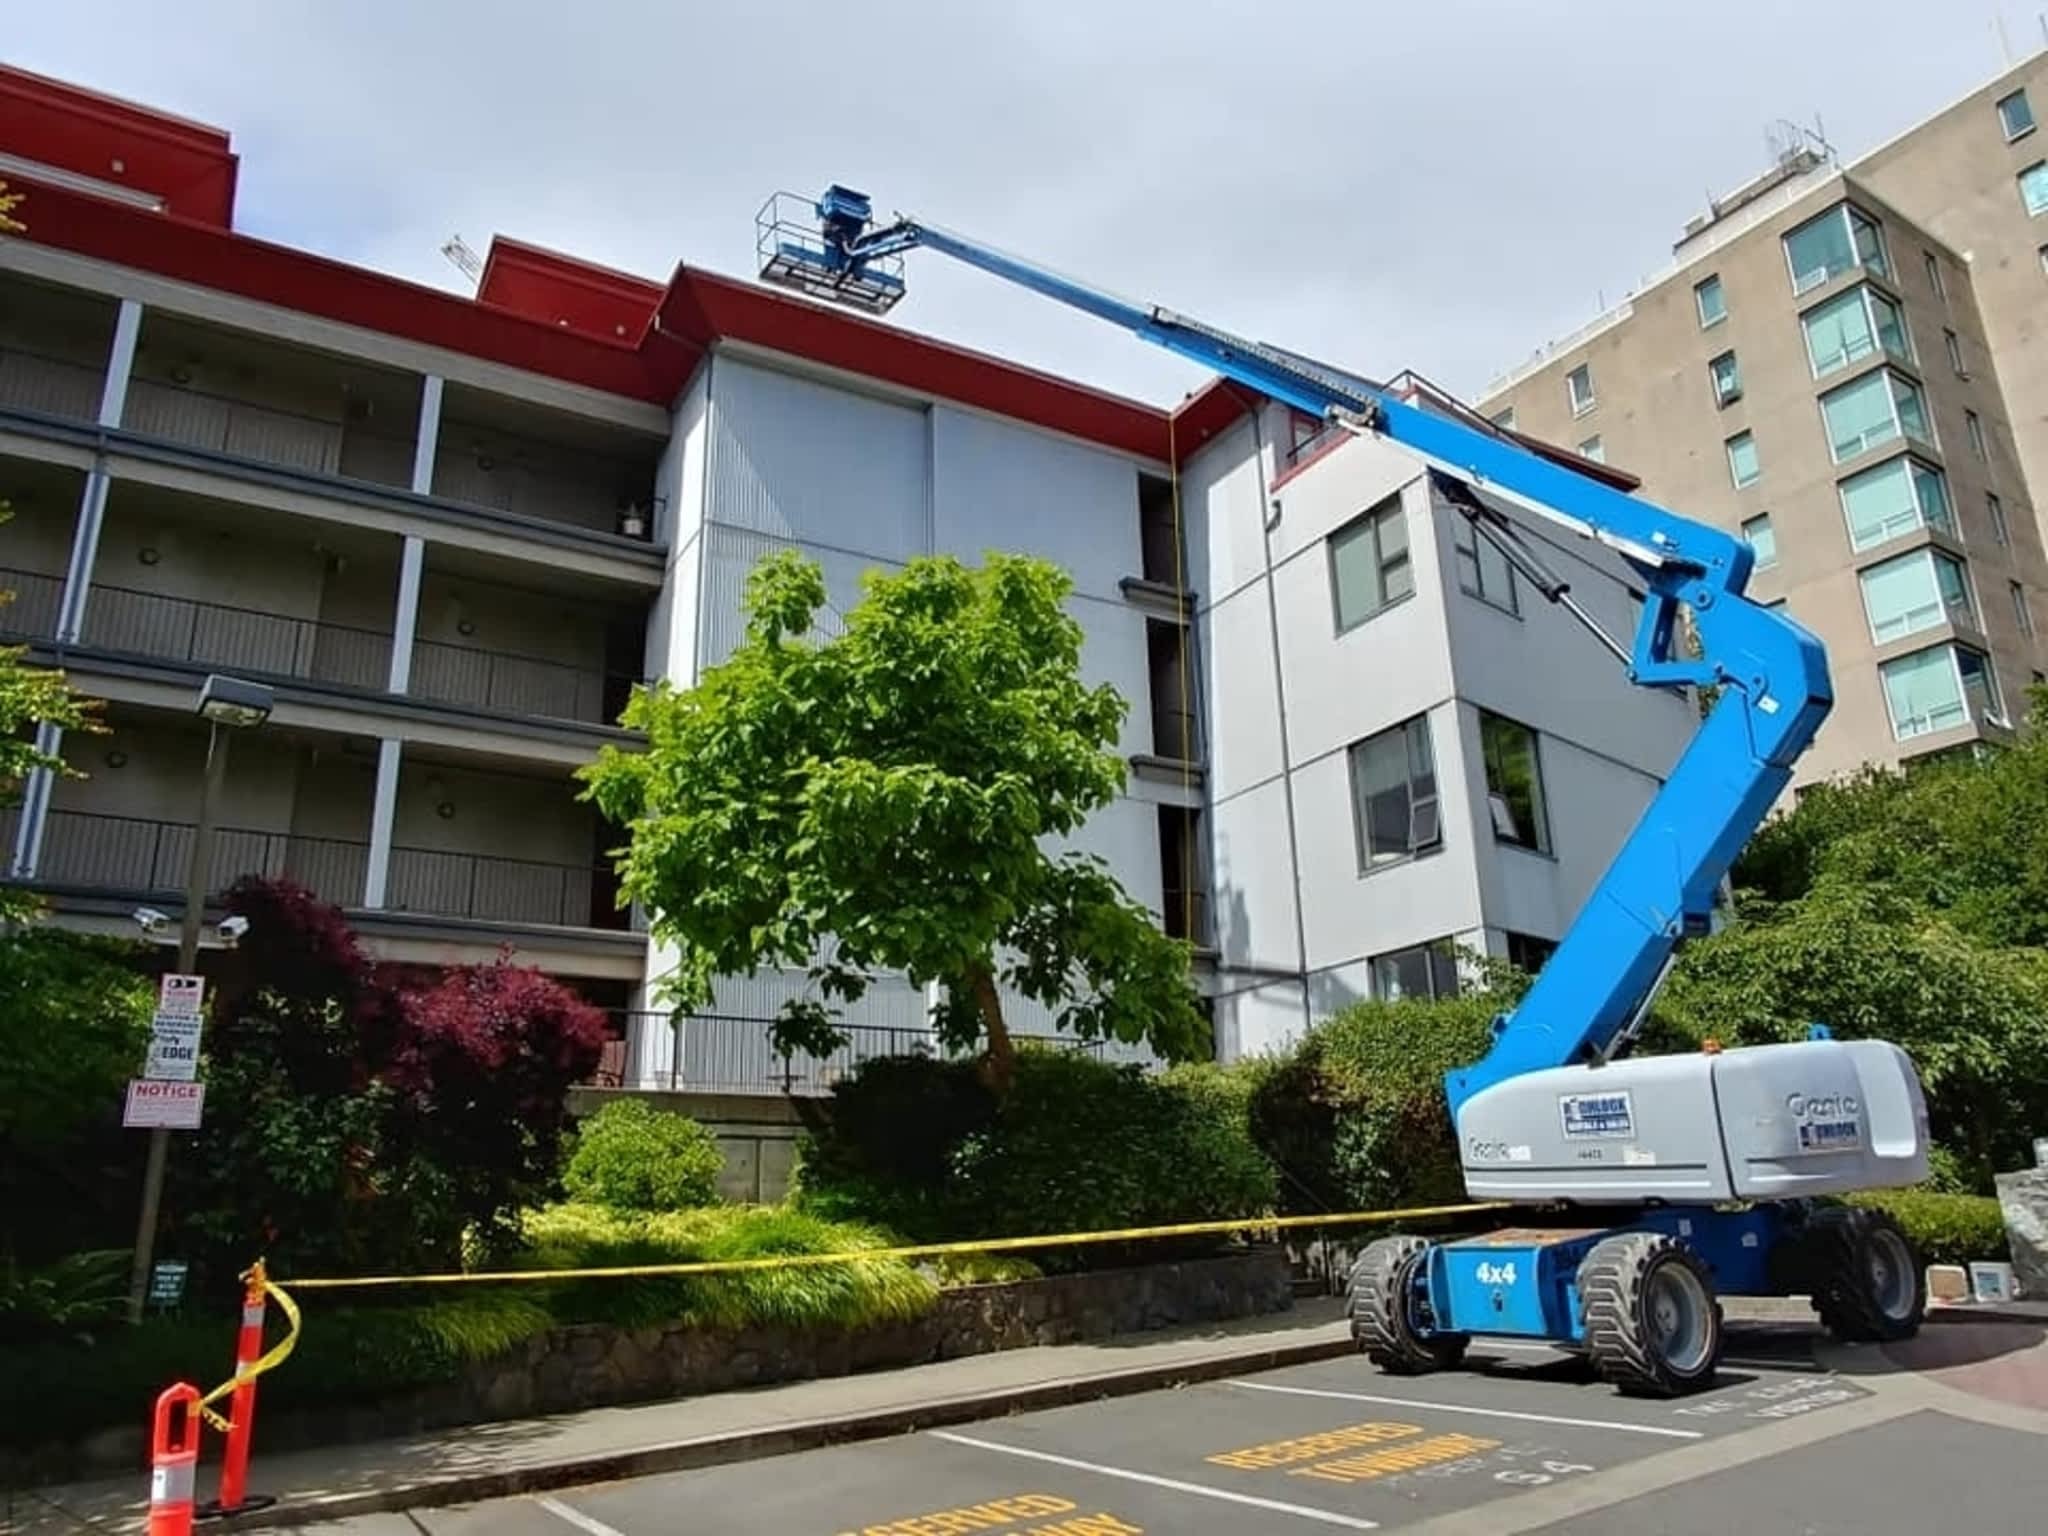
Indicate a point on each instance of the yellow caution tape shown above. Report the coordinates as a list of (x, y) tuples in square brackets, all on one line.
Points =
[(270, 1359), (914, 1251)]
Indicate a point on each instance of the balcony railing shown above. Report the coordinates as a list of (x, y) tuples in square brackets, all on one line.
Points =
[(84, 850), (49, 386), (32, 604), (724, 1053), (279, 645), (240, 428)]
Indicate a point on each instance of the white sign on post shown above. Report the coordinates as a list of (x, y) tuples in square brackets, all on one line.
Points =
[(169, 1106), (174, 1033)]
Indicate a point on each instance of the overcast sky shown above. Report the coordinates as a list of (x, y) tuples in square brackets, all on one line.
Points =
[(1440, 185)]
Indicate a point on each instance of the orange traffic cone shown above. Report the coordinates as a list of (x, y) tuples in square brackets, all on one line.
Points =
[(174, 1469)]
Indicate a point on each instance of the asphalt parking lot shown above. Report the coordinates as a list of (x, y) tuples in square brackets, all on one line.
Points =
[(1519, 1440)]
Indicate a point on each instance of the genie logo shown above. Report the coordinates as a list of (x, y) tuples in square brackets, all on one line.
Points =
[(1831, 1106), (1826, 1122)]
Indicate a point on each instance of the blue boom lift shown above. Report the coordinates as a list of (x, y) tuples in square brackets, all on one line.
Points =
[(1653, 1184)]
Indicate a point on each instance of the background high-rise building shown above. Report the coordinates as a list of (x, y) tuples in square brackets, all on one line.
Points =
[(1847, 366)]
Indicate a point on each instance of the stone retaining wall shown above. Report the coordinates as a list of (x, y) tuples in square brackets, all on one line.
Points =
[(595, 1366)]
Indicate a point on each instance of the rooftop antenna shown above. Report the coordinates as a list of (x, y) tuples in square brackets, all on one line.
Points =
[(468, 261)]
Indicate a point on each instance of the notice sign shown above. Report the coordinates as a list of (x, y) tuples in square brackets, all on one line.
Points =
[(174, 1033), (167, 1106)]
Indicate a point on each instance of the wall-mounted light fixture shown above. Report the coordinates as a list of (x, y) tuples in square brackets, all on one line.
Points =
[(149, 554)]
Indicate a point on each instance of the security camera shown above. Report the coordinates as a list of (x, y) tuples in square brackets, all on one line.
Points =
[(232, 928), (149, 920)]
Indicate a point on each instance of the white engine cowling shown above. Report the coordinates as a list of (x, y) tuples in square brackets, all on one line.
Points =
[(1767, 1122)]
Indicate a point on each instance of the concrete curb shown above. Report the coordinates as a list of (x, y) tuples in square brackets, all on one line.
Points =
[(776, 1440)]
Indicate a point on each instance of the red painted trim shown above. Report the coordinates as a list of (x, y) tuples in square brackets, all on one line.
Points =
[(558, 289), (1210, 410), (273, 274), (189, 165)]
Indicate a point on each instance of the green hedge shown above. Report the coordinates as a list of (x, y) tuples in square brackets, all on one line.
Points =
[(634, 1157), (56, 1388), (1947, 1229), (1076, 1144)]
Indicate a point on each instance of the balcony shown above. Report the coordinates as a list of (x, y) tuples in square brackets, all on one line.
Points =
[(132, 857), (513, 457), (54, 344), (280, 646), (722, 1053), (247, 397)]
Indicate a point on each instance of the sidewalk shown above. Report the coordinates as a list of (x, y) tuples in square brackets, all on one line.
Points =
[(494, 1460)]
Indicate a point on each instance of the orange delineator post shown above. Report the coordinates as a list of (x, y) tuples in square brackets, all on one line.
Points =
[(234, 1467), (173, 1469)]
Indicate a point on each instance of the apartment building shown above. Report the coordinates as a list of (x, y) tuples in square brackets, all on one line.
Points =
[(451, 532), (1843, 365), (1409, 750)]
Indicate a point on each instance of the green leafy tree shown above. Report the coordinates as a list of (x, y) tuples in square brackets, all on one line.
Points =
[(881, 800)]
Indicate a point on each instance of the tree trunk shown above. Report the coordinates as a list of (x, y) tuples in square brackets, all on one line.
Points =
[(999, 1065)]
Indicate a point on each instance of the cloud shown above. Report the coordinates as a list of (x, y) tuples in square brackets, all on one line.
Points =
[(1440, 187)]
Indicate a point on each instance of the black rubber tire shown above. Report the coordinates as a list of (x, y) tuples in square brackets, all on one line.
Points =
[(1376, 1301), (1868, 1283), (1621, 1283)]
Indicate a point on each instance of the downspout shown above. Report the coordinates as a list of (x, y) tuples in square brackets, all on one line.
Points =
[(1269, 516)]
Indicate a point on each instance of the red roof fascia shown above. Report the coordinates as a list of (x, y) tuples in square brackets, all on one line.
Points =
[(1210, 410), (189, 165), (216, 258), (561, 290), (701, 305)]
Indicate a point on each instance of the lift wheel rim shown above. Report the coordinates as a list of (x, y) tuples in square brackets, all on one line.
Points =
[(1679, 1314), (1889, 1269)]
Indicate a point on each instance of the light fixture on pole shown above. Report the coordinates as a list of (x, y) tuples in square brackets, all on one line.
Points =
[(228, 704)]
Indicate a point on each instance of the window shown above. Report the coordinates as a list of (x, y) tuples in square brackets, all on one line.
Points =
[(1514, 783), (1578, 388), (2042, 253), (1825, 247), (1851, 327), (1727, 379), (1742, 461), (1393, 795), (1427, 970), (1505, 420), (1592, 448), (1935, 280), (1369, 567), (1713, 304), (2015, 116), (1995, 510), (1763, 538), (1975, 427), (2034, 188), (2022, 612), (1914, 592), (1938, 689), (1894, 499), (1483, 570), (1872, 411), (1527, 953)]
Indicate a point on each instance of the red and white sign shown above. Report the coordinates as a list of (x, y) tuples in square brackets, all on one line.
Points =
[(171, 1106), (178, 996)]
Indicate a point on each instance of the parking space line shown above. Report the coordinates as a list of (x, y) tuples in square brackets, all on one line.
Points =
[(575, 1517), (1199, 1490), (1490, 1413)]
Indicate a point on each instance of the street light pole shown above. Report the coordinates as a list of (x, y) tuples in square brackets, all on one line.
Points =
[(226, 703)]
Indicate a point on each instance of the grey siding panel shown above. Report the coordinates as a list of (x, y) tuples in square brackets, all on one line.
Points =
[(799, 460)]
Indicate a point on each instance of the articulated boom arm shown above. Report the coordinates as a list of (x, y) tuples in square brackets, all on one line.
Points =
[(1772, 674)]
